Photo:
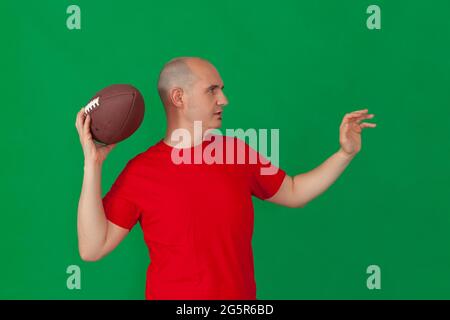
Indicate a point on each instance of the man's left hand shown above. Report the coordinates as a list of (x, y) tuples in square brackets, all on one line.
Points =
[(350, 131)]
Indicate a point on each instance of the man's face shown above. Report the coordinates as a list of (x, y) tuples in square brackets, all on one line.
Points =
[(205, 99)]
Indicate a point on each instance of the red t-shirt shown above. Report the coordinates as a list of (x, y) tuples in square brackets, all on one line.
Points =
[(197, 219)]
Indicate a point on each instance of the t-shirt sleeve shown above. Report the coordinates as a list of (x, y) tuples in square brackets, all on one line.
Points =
[(266, 178), (119, 204)]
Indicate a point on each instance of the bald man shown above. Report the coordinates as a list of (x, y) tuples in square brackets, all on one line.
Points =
[(197, 219)]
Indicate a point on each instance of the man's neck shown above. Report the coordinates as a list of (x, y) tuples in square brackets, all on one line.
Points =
[(184, 136)]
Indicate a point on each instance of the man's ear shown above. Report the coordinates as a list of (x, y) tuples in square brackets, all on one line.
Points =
[(176, 97)]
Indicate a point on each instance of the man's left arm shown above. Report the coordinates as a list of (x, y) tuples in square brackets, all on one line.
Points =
[(297, 191)]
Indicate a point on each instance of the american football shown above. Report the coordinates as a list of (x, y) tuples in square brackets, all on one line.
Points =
[(116, 113)]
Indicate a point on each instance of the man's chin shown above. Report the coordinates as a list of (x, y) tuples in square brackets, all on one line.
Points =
[(216, 124), (211, 125)]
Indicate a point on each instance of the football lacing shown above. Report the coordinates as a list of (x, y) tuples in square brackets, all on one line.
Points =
[(91, 105)]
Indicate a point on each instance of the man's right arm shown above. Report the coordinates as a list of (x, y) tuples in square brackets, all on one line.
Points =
[(97, 236)]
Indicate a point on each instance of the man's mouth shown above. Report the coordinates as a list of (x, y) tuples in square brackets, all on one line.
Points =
[(218, 113)]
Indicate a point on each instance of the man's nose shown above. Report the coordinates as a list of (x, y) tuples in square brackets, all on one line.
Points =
[(222, 101)]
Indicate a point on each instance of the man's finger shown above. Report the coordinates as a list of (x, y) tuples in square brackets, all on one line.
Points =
[(79, 121), (356, 114), (368, 125), (358, 117), (364, 117), (361, 111), (87, 125)]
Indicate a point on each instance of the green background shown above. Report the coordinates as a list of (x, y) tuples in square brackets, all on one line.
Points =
[(294, 65)]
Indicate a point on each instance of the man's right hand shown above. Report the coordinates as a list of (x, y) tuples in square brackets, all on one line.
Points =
[(93, 153)]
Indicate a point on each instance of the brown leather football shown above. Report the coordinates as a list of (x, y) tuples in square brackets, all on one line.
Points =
[(116, 113)]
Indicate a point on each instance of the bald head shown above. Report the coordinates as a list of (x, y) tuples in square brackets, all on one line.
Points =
[(191, 89), (178, 73)]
